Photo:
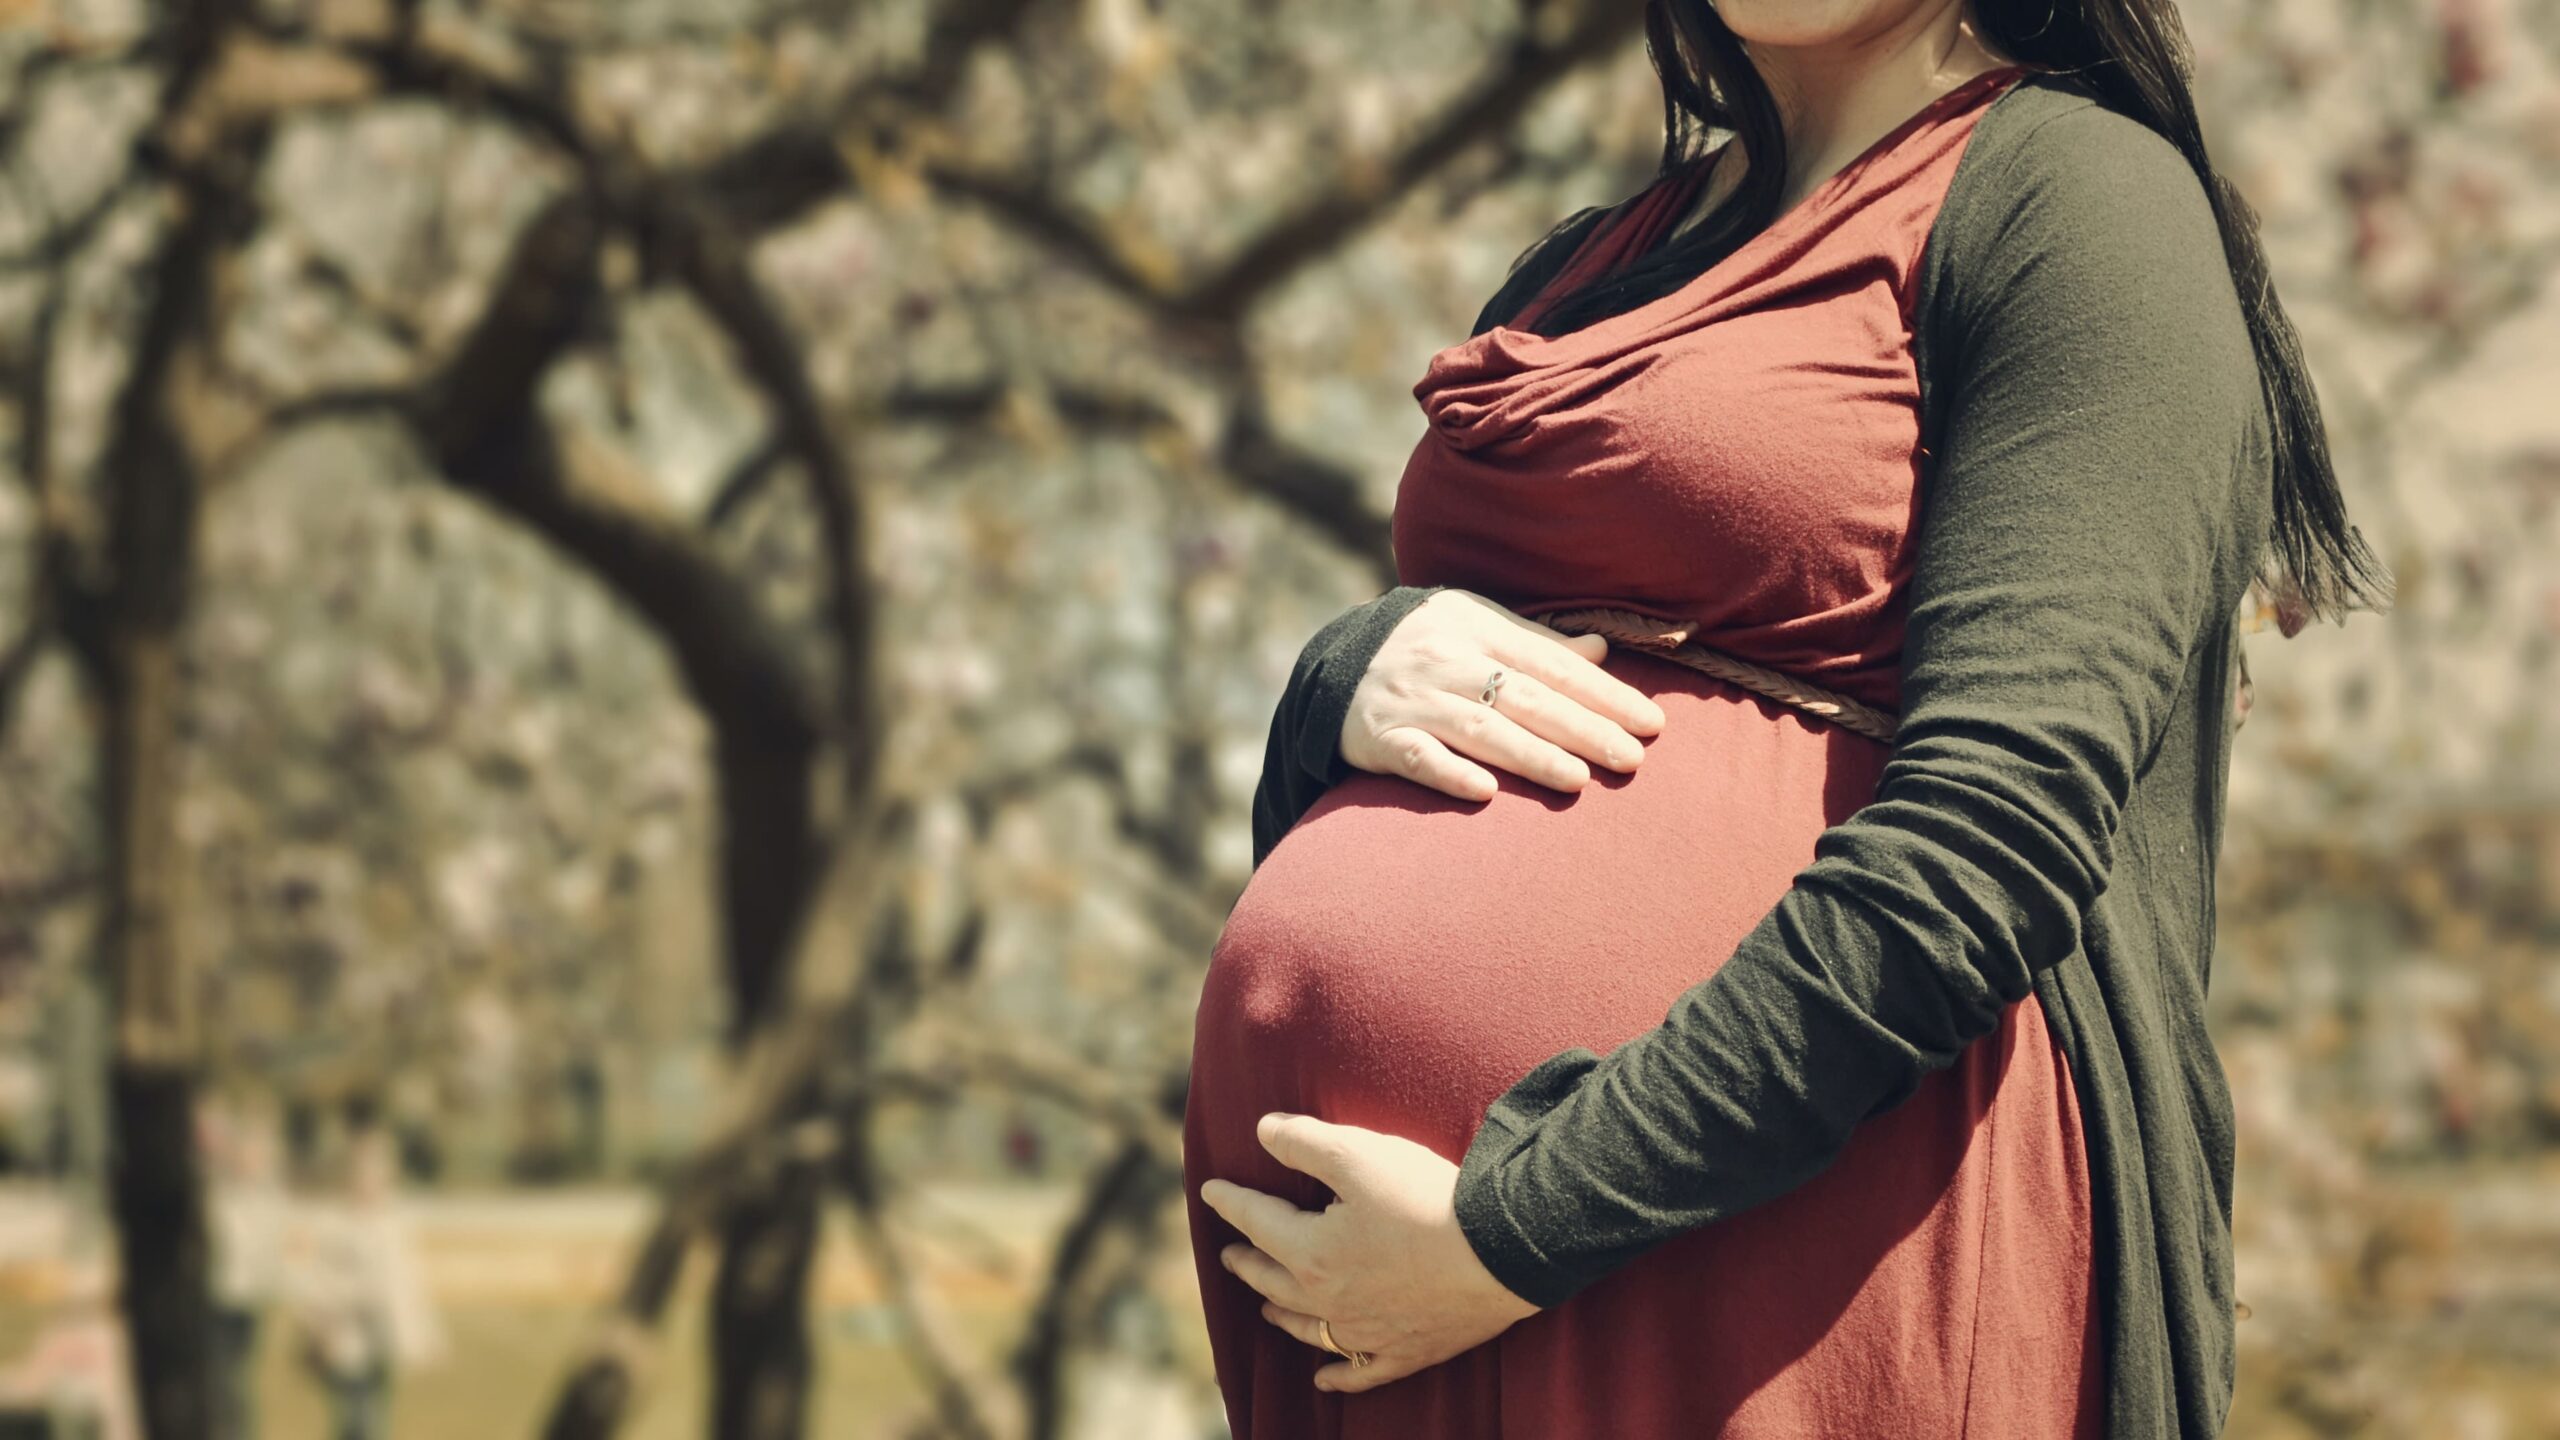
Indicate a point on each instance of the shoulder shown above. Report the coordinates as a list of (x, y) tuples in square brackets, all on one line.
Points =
[(2054, 127), (2064, 210), (2052, 172), (2076, 250)]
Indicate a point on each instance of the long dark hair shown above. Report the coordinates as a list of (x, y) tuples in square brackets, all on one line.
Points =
[(2133, 56)]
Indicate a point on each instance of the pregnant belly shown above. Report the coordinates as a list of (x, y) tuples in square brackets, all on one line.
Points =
[(1402, 956)]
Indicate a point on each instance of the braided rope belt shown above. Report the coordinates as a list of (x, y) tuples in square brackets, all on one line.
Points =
[(1670, 640)]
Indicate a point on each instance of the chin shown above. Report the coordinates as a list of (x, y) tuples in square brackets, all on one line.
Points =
[(1809, 24)]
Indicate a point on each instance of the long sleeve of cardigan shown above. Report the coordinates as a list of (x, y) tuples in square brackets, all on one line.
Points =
[(2072, 555)]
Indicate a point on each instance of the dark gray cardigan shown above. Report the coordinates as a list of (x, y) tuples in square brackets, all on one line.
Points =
[(2096, 501)]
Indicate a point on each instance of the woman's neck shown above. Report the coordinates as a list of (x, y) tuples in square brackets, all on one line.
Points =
[(1836, 99)]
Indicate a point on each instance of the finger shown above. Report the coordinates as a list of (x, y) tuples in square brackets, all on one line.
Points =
[(1309, 1146), (1559, 660), (1342, 1375), (1568, 720), (1557, 738), (1420, 756), (1570, 723), (1488, 733), (1346, 1378), (1298, 1324), (1276, 1227), (1269, 1278), (1594, 648)]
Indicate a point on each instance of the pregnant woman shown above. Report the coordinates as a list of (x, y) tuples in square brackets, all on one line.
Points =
[(1776, 1078)]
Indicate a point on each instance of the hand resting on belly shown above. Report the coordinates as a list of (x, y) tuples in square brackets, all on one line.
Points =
[(1418, 711)]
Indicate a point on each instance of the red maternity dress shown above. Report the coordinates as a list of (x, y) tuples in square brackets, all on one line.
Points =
[(1742, 452)]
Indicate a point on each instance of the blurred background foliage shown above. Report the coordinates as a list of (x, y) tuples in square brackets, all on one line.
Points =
[(634, 636)]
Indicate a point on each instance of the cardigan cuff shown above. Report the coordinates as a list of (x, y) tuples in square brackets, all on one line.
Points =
[(1502, 1236)]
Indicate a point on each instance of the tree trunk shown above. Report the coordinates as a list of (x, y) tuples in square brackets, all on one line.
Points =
[(157, 1198), (129, 642), (760, 1343), (154, 1189), (767, 722), (761, 1358)]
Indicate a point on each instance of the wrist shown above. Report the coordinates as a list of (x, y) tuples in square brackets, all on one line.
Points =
[(1340, 654), (1493, 1230)]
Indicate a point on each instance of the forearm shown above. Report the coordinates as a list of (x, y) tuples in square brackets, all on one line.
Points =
[(1880, 964)]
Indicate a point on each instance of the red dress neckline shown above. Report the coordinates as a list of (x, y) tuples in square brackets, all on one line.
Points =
[(1645, 215)]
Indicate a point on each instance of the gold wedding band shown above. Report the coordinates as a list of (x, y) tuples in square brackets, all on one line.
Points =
[(1324, 1337)]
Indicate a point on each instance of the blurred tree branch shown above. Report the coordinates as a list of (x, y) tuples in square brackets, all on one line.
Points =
[(1328, 497), (796, 745), (774, 179), (33, 385)]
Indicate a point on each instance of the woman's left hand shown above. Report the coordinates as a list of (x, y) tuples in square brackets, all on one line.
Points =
[(1385, 1263)]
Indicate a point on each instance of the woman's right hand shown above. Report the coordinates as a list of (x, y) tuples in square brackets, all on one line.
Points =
[(1416, 711)]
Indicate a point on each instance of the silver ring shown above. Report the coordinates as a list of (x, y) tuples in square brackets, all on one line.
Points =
[(1491, 685)]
